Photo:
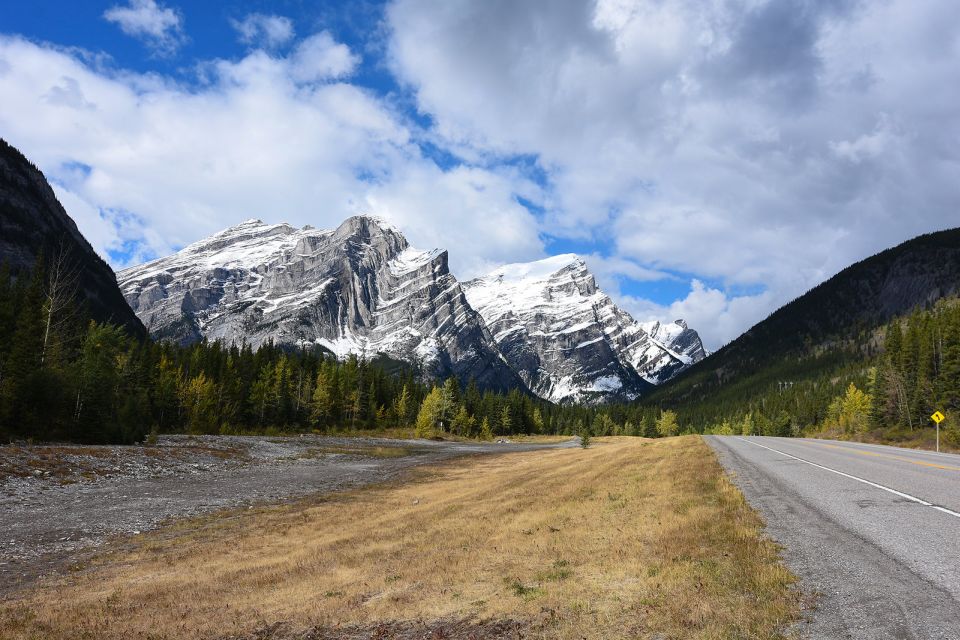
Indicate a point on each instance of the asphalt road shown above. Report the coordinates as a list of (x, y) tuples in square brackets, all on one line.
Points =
[(872, 531)]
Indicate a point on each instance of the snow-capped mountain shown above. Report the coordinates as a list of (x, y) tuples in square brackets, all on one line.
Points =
[(566, 338), (357, 289), (362, 289)]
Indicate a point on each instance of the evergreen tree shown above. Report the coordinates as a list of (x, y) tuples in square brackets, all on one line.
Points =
[(650, 425), (428, 419), (486, 433), (321, 403), (401, 406), (199, 399), (506, 422), (584, 434), (463, 422)]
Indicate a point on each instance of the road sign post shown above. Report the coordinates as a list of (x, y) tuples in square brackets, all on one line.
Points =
[(938, 418)]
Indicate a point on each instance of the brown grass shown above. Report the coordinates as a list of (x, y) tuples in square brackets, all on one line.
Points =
[(923, 438), (629, 538)]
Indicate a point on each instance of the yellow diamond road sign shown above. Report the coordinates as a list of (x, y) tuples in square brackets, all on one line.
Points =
[(937, 417)]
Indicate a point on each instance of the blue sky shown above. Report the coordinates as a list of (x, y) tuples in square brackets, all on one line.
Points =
[(710, 160)]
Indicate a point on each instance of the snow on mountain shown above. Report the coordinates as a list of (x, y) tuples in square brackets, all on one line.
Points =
[(359, 289), (362, 289), (566, 338)]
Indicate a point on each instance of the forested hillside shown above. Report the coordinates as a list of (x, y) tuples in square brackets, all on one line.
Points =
[(887, 387), (885, 325)]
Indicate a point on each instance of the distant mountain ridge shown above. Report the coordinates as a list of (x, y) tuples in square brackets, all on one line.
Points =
[(568, 340), (33, 222), (830, 317), (362, 289)]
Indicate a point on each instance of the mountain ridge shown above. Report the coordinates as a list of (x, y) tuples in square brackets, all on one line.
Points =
[(566, 337), (831, 316), (34, 223), (361, 288)]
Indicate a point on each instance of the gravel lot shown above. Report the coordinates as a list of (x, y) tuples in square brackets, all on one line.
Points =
[(61, 503)]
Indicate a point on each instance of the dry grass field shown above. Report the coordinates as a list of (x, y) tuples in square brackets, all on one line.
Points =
[(630, 538)]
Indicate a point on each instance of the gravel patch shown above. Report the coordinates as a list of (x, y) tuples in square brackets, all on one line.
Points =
[(59, 504)]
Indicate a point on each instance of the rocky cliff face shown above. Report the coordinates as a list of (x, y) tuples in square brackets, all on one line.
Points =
[(359, 288), (568, 340), (32, 222)]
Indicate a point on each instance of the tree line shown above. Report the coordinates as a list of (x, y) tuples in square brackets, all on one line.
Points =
[(889, 380), (65, 377)]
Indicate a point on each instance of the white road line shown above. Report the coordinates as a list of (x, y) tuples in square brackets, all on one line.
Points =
[(847, 475)]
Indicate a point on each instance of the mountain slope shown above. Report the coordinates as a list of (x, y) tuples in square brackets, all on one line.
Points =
[(358, 289), (568, 340), (32, 222), (834, 317)]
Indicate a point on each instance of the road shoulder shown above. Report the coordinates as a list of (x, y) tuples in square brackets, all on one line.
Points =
[(858, 591)]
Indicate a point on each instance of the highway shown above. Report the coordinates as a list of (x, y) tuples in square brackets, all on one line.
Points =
[(872, 531)]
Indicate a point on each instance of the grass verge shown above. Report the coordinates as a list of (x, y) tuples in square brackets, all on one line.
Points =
[(626, 539), (923, 438)]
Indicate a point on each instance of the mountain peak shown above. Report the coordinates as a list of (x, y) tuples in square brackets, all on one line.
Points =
[(537, 270), (567, 338), (368, 224)]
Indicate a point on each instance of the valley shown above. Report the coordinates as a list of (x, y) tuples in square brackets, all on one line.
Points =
[(310, 433), (628, 538)]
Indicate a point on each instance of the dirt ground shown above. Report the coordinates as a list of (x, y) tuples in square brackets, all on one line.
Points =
[(59, 504), (630, 538)]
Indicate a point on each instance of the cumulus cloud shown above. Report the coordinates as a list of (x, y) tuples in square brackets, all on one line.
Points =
[(320, 57), (264, 30), (757, 146), (148, 164), (763, 144), (158, 26), (717, 316)]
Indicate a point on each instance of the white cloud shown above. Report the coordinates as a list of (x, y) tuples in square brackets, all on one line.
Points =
[(148, 165), (610, 271), (320, 57), (470, 211), (265, 30), (759, 146), (766, 143), (160, 27), (716, 316)]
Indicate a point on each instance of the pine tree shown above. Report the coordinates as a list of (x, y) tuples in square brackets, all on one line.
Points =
[(401, 406), (462, 424), (537, 420), (485, 432), (584, 433), (650, 426), (199, 399), (747, 425), (428, 419), (506, 422), (166, 393), (321, 403)]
